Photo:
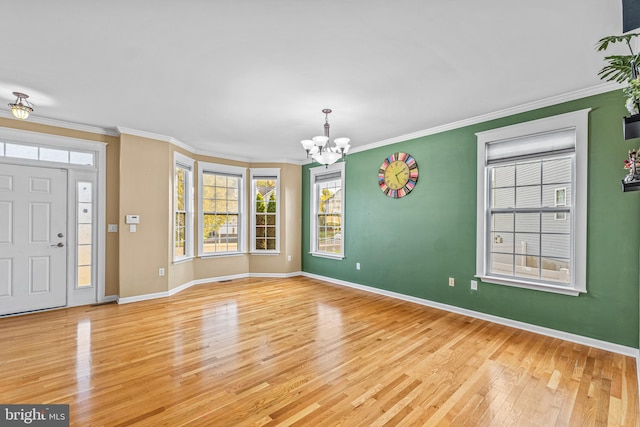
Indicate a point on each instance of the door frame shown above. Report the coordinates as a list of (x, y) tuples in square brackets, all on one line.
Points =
[(96, 174)]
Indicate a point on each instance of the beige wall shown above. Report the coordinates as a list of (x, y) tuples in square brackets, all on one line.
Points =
[(139, 175), (145, 186)]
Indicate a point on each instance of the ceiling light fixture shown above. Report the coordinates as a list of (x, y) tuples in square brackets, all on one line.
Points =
[(322, 150), (21, 108)]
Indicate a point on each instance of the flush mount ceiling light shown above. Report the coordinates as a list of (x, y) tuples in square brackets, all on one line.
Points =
[(321, 149), (21, 108)]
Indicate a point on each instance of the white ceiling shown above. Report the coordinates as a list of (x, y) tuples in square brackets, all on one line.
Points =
[(249, 78)]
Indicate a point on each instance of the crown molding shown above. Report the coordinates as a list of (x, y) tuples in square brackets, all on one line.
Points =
[(64, 124), (192, 150), (547, 102), (118, 130)]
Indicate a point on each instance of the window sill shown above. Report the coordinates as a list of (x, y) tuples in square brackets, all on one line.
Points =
[(557, 289), (326, 255), (221, 255), (265, 252), (182, 260)]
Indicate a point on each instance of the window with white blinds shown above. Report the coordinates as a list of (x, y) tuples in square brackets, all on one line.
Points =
[(532, 204)]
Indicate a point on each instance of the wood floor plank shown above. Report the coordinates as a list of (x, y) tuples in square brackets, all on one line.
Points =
[(301, 352)]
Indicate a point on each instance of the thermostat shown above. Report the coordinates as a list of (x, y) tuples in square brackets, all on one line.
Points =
[(132, 219)]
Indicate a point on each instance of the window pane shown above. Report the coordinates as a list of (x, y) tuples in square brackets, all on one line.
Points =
[(527, 243), (556, 270), (271, 245), (556, 245), (556, 223), (84, 234), (502, 222), (556, 171), (233, 182), (529, 173), (22, 151), (528, 197), (84, 276), (180, 187), (504, 176), (78, 158), (271, 232), (502, 242), (556, 195), (271, 220), (528, 222), (84, 213), (503, 198), (502, 264), (84, 255), (208, 205), (53, 155)]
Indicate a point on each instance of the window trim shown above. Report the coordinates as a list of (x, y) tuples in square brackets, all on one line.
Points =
[(256, 173), (579, 120), (319, 171), (217, 168), (186, 163)]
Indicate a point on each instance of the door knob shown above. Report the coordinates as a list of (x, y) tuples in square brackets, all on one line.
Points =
[(59, 245)]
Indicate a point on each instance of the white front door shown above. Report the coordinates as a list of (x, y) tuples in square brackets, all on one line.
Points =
[(33, 230)]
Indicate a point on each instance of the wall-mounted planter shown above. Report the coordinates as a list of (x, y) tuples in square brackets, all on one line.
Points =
[(630, 186), (631, 126)]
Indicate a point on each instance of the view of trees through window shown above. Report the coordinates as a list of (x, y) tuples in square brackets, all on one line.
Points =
[(180, 212), (221, 212), (266, 210), (329, 217)]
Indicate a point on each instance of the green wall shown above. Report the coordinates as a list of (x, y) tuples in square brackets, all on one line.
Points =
[(412, 245)]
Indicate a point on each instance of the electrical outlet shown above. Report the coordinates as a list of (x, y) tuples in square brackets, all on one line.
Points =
[(474, 285), (161, 272), (289, 258), (357, 266), (452, 281)]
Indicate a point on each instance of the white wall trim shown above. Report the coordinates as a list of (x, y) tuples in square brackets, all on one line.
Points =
[(523, 108), (118, 130), (579, 339), (65, 125), (276, 275), (144, 134), (138, 298)]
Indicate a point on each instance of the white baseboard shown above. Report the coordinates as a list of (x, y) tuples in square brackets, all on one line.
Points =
[(276, 275), (109, 298), (554, 333), (138, 298)]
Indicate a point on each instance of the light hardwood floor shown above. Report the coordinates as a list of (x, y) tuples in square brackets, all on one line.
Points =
[(302, 352)]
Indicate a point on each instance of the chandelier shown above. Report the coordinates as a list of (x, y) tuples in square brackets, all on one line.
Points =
[(21, 108), (322, 150)]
